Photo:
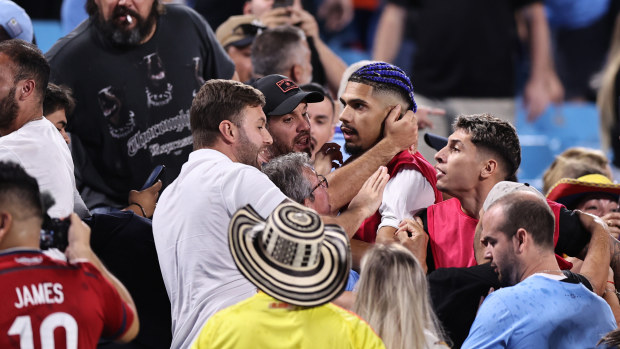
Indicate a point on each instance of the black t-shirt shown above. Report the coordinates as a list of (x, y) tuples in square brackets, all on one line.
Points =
[(465, 48), (133, 104), (456, 295)]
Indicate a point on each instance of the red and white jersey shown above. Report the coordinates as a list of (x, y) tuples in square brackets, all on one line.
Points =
[(48, 303)]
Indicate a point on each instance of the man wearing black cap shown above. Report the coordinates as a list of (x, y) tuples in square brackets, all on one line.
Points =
[(288, 123), (287, 110)]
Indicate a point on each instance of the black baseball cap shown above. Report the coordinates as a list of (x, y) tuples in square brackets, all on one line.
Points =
[(434, 141), (282, 95)]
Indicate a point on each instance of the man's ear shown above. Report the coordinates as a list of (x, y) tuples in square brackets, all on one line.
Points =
[(27, 89), (489, 169), (228, 130), (247, 8), (521, 239), (296, 72), (6, 222)]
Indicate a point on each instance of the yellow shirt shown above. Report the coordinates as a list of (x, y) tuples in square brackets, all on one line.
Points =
[(264, 322)]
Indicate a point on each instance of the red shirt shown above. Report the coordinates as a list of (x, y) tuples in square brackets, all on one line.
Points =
[(49, 303), (452, 232), (368, 230)]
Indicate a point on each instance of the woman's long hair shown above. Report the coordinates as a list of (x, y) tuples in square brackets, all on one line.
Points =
[(606, 98), (393, 297)]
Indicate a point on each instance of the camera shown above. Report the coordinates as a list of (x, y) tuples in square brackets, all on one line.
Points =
[(54, 233)]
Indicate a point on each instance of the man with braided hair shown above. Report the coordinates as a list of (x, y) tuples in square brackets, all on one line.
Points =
[(372, 92)]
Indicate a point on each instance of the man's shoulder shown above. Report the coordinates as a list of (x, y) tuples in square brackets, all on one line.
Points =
[(360, 332), (211, 157), (178, 13), (77, 40), (35, 261)]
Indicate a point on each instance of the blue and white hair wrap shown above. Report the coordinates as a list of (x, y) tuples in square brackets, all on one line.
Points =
[(386, 73)]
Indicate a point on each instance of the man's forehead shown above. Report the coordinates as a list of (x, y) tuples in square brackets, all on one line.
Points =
[(323, 108), (301, 107), (461, 136), (357, 90), (491, 216)]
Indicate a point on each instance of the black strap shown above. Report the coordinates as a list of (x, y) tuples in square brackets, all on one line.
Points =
[(430, 261), (575, 278)]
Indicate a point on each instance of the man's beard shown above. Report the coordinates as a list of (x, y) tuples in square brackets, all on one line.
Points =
[(247, 152), (8, 109), (279, 147), (506, 275), (353, 150), (118, 35)]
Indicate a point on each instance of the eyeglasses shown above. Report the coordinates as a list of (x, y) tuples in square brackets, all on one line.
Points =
[(322, 183)]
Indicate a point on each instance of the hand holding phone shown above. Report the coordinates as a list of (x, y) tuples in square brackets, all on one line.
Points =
[(155, 175)]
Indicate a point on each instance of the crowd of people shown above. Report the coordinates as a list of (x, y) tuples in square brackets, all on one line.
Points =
[(254, 232)]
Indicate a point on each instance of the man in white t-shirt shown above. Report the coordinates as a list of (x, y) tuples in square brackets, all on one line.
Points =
[(221, 175), (26, 137)]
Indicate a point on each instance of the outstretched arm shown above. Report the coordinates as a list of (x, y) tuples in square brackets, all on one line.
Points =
[(598, 256), (389, 33), (543, 85)]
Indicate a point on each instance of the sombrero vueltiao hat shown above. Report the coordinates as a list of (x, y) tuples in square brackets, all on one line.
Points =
[(292, 256), (569, 191)]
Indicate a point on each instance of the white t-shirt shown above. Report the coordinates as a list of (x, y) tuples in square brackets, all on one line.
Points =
[(190, 227), (405, 194), (40, 149)]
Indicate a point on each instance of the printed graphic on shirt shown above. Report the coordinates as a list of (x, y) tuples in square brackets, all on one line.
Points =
[(121, 122), (197, 74), (158, 89), (142, 139)]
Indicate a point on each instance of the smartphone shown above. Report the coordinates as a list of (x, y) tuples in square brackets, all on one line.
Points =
[(282, 3), (155, 175)]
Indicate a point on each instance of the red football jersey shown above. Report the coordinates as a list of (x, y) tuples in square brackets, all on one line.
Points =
[(52, 304)]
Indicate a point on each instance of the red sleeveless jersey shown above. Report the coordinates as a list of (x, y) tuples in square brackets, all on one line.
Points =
[(451, 233), (368, 230)]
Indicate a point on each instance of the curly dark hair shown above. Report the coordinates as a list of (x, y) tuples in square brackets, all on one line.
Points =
[(494, 135)]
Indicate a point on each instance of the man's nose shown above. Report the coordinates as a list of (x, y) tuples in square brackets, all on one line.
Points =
[(345, 116), (439, 157)]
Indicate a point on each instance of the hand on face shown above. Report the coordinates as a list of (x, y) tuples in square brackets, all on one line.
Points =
[(403, 132)]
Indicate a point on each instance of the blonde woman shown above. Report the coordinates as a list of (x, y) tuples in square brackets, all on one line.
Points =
[(392, 296), (607, 101)]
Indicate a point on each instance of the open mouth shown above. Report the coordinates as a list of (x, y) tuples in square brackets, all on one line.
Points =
[(302, 141)]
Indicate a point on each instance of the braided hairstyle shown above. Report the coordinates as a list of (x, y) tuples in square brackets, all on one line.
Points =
[(386, 77)]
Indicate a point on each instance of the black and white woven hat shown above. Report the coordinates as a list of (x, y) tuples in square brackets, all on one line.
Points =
[(292, 256)]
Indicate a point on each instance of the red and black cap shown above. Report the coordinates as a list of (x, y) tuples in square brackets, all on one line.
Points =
[(282, 95)]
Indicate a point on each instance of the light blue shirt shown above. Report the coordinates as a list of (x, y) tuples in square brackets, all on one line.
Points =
[(574, 14), (541, 312)]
